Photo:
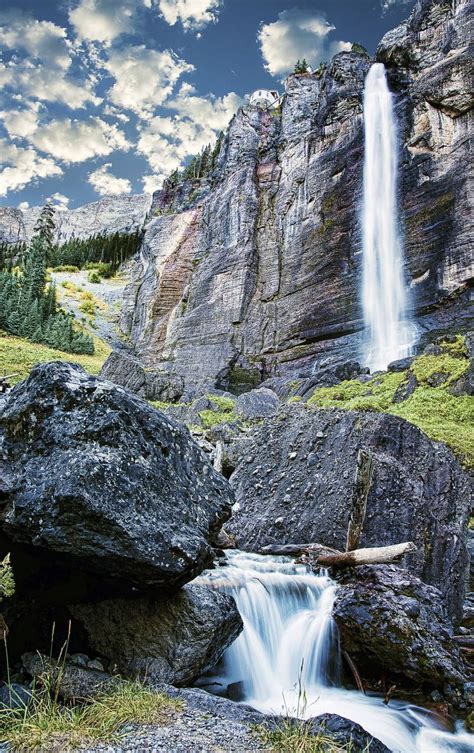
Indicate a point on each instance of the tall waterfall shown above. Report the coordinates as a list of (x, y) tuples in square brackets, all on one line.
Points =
[(287, 658), (389, 335)]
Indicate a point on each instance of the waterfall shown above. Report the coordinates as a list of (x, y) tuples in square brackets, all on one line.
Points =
[(287, 658), (389, 335)]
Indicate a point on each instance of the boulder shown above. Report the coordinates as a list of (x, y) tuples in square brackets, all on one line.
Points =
[(95, 476), (14, 696), (71, 680), (402, 364), (257, 403), (344, 732), (294, 479), (172, 639), (125, 370), (390, 622)]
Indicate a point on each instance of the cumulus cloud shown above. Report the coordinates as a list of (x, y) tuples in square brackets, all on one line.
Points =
[(41, 71), (387, 4), (105, 20), (297, 34), (76, 141), (151, 183), (167, 141), (23, 165), (43, 40), (107, 184), (59, 201), (21, 123), (144, 77), (23, 205), (192, 14)]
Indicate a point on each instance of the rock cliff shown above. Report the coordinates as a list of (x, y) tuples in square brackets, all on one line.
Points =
[(112, 214), (257, 269)]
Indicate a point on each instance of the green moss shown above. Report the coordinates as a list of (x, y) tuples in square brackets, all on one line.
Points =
[(223, 403), (212, 418), (294, 399), (160, 404), (441, 415)]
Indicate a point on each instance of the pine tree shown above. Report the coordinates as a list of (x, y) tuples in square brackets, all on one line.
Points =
[(46, 225)]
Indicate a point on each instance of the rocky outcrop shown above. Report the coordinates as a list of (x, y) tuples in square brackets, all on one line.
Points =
[(256, 270), (112, 214), (93, 475), (294, 480), (392, 623), (174, 639)]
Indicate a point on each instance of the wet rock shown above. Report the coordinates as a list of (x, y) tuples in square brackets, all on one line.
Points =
[(257, 403), (406, 388), (14, 696), (72, 680), (170, 639), (93, 475), (465, 384), (391, 622), (345, 732), (418, 492), (401, 365)]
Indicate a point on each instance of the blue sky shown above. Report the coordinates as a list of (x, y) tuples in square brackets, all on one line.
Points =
[(105, 97)]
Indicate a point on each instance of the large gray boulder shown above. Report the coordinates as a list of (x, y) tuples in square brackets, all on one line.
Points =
[(257, 403), (392, 623), (94, 475), (294, 481), (172, 639)]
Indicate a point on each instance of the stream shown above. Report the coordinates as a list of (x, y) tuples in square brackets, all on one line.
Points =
[(287, 660)]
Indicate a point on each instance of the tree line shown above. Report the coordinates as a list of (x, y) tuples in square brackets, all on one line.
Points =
[(200, 166), (28, 303)]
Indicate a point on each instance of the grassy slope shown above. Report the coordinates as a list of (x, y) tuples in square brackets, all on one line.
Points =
[(18, 356), (441, 415)]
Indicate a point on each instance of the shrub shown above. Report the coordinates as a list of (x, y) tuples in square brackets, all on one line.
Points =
[(93, 276), (65, 268)]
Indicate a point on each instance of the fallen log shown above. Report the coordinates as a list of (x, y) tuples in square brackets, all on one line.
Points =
[(327, 557)]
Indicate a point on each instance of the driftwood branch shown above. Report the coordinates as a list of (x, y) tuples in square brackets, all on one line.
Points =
[(326, 557), (362, 482)]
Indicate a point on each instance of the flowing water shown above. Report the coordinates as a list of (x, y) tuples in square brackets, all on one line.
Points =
[(287, 658), (389, 333)]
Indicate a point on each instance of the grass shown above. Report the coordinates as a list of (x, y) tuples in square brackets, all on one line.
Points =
[(18, 356), (442, 416), (47, 725), (222, 412), (296, 737)]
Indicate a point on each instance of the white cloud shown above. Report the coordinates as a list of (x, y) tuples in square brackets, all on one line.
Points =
[(59, 201), (23, 205), (297, 34), (104, 20), (43, 40), (144, 78), (21, 123), (76, 141), (151, 183), (40, 72), (23, 165), (167, 141), (107, 184), (193, 14), (387, 4)]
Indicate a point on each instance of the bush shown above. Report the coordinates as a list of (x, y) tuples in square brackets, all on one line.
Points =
[(65, 268), (93, 276)]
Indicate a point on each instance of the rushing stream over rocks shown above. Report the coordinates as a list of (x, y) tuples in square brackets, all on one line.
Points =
[(287, 659)]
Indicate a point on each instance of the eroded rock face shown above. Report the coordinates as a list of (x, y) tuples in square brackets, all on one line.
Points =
[(294, 480), (93, 474), (257, 270), (391, 622), (112, 214), (174, 639)]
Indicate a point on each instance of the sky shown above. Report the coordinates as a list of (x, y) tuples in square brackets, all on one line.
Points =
[(108, 97)]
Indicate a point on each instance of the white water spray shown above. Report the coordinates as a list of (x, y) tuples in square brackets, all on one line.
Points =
[(389, 334), (287, 658)]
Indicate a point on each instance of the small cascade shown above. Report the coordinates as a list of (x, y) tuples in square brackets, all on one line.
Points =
[(389, 333), (287, 658)]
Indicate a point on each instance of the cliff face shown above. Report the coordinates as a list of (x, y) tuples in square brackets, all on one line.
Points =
[(259, 270), (112, 214)]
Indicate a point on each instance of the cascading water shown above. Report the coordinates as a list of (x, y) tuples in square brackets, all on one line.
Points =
[(389, 334), (287, 658)]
